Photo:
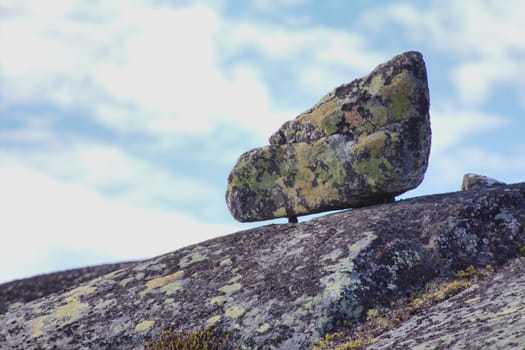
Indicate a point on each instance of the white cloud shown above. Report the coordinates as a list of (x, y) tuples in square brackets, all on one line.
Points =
[(160, 69), (452, 126), (457, 150), (485, 37), (41, 215), (475, 80), (172, 71), (277, 5), (135, 68), (107, 168), (446, 170), (318, 44)]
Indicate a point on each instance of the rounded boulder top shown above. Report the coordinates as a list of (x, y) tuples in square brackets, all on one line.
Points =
[(363, 143)]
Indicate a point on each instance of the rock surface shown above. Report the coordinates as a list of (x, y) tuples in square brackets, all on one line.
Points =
[(28, 289), (281, 286), (488, 315), (363, 143)]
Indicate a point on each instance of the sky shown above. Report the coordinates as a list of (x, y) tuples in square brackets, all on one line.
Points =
[(121, 120)]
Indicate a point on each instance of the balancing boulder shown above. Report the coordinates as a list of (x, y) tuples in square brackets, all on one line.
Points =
[(363, 143)]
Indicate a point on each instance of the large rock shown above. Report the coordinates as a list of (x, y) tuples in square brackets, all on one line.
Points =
[(363, 143), (282, 286)]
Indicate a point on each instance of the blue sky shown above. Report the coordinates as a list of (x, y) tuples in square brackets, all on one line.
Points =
[(120, 120)]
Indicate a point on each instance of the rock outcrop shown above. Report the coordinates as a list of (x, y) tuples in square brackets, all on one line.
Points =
[(284, 286), (364, 143), (476, 182)]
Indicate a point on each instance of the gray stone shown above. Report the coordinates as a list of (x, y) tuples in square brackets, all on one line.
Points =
[(364, 143), (280, 286), (477, 182)]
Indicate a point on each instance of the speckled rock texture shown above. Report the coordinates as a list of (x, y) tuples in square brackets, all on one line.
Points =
[(476, 182), (280, 286), (489, 315), (28, 289), (363, 143)]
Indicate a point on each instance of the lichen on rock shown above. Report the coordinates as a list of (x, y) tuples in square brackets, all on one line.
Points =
[(363, 143), (282, 286)]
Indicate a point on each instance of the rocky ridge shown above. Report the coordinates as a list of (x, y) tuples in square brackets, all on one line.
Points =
[(286, 286)]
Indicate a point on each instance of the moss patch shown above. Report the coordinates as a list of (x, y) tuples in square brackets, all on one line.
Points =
[(208, 338)]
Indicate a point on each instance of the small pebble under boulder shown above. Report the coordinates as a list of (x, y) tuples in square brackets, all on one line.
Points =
[(364, 143)]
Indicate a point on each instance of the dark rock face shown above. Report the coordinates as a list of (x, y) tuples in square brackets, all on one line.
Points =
[(363, 143), (280, 286)]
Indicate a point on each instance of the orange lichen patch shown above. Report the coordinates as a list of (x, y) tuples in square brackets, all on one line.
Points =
[(354, 118)]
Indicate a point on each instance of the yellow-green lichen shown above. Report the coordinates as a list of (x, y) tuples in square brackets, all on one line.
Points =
[(374, 167), (14, 305), (372, 143), (361, 244), (331, 123), (262, 173), (38, 326), (162, 281), (65, 313), (231, 288), (73, 305), (104, 304), (235, 278), (213, 320), (333, 255), (226, 262), (172, 287), (167, 284), (375, 171), (280, 212), (191, 259), (125, 281), (376, 83), (307, 157), (144, 325), (263, 328), (325, 108), (234, 312), (398, 92), (219, 300)]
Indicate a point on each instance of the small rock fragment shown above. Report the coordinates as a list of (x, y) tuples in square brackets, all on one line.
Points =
[(477, 182)]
